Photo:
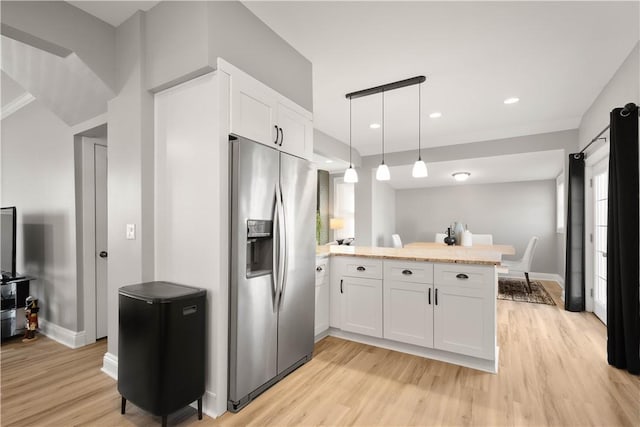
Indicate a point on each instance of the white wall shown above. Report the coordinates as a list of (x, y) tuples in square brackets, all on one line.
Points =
[(184, 39), (566, 140), (38, 178), (624, 87), (383, 212), (512, 212)]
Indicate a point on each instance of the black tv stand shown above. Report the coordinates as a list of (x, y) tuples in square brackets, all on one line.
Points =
[(15, 291)]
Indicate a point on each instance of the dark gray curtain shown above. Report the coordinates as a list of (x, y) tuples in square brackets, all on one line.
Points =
[(623, 316), (574, 268)]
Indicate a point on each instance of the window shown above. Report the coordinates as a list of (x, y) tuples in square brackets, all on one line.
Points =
[(560, 204), (344, 208)]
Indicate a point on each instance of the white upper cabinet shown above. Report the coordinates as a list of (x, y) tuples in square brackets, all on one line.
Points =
[(261, 114)]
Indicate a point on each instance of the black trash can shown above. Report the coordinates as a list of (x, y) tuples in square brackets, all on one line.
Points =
[(161, 347)]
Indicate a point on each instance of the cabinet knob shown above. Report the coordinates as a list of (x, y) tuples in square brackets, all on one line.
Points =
[(407, 272), (462, 276), (318, 269), (361, 268), (103, 254)]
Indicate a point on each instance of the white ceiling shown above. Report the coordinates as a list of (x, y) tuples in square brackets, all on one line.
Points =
[(10, 89), (329, 164), (555, 56), (508, 168), (113, 12)]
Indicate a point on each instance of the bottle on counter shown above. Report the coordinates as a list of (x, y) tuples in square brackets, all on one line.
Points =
[(458, 229), (467, 238)]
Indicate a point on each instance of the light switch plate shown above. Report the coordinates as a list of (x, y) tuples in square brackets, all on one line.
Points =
[(131, 231)]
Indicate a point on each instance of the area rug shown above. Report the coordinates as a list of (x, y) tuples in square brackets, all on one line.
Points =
[(517, 290)]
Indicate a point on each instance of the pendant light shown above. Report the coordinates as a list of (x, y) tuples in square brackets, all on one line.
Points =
[(350, 175), (382, 174), (419, 167)]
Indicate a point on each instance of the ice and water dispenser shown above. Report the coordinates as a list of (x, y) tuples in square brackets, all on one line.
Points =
[(259, 247)]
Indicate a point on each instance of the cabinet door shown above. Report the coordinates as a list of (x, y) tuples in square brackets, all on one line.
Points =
[(362, 306), (322, 308), (408, 312), (463, 320), (296, 131), (253, 110)]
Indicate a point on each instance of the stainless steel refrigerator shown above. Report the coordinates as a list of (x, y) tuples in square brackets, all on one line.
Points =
[(272, 289)]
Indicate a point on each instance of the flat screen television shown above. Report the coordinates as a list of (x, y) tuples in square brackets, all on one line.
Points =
[(8, 242)]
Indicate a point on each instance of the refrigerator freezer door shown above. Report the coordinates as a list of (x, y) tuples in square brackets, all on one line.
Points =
[(253, 319), (297, 299)]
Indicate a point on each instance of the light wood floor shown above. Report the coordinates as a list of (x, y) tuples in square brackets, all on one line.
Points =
[(553, 371)]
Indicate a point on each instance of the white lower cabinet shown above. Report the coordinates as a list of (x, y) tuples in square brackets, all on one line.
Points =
[(322, 297), (464, 315), (361, 305), (408, 312)]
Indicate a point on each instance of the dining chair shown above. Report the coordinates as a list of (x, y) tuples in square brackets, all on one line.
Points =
[(523, 265), (397, 242), (482, 239), (440, 237)]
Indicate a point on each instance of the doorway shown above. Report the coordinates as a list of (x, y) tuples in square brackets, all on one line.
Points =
[(91, 190), (596, 197), (599, 188)]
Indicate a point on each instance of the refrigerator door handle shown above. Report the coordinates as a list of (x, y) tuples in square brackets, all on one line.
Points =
[(282, 263), (275, 278)]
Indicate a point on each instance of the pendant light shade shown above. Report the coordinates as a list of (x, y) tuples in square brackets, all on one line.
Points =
[(382, 174), (419, 167), (350, 175)]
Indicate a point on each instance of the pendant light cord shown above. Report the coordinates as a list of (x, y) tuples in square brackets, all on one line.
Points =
[(383, 128), (419, 120), (350, 163)]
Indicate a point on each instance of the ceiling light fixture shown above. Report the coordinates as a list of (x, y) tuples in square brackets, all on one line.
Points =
[(511, 100), (328, 161), (461, 176), (382, 174), (350, 175), (419, 167), (435, 115), (374, 125)]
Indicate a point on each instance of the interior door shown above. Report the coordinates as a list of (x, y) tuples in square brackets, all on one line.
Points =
[(100, 182), (600, 200)]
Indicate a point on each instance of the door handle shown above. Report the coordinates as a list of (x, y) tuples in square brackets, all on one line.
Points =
[(103, 254), (341, 290), (462, 276), (281, 136), (407, 272), (284, 246), (436, 296), (604, 254), (276, 141), (361, 268), (429, 296)]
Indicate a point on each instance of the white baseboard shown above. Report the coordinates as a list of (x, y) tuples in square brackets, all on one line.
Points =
[(110, 365), (63, 335), (321, 335), (485, 365)]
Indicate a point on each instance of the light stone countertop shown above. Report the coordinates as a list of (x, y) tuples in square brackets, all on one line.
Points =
[(443, 254)]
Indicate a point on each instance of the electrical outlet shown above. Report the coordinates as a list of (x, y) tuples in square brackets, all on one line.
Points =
[(131, 231)]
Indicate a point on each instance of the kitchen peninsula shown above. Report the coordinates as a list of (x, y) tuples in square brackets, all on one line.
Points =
[(438, 302)]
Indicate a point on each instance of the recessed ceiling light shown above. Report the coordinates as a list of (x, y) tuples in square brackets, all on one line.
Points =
[(374, 125), (435, 115), (461, 176), (511, 100), (328, 161)]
